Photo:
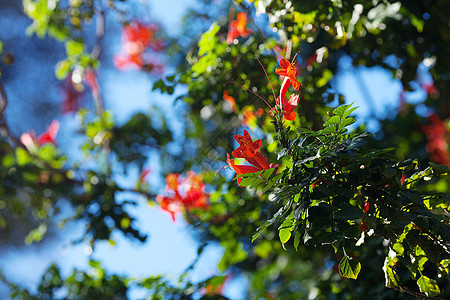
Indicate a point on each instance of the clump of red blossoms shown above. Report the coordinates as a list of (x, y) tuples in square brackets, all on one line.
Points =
[(186, 192), (137, 40), (249, 150), (287, 106), (48, 137), (438, 137), (237, 28), (288, 70), (230, 100)]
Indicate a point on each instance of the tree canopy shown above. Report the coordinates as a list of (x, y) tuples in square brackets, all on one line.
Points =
[(318, 206)]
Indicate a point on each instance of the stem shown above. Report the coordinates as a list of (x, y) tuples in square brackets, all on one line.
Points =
[(267, 76), (143, 193), (265, 101)]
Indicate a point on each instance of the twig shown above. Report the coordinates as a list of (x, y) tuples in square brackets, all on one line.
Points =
[(415, 294), (433, 238), (3, 100), (150, 196), (100, 32), (98, 99)]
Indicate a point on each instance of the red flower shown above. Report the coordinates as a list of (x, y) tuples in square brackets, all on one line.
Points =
[(363, 227), (288, 70), (28, 139), (188, 193), (194, 192), (230, 100), (167, 204), (90, 78), (237, 28), (172, 182), (247, 147), (366, 207), (287, 106), (438, 139), (430, 89), (259, 112), (124, 61), (249, 117), (241, 169), (402, 180), (71, 101), (137, 38), (49, 136), (249, 150)]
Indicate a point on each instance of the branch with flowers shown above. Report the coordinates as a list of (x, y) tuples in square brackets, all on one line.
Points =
[(336, 187)]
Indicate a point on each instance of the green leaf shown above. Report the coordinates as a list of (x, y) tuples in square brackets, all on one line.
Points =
[(286, 229), (74, 48), (439, 169), (257, 182), (332, 121), (266, 174), (340, 110), (297, 237), (346, 122), (267, 187), (348, 112), (23, 157), (327, 130), (348, 212), (267, 223), (247, 181), (428, 286), (62, 69), (349, 268), (208, 39), (391, 277)]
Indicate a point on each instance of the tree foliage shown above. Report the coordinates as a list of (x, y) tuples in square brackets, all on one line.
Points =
[(316, 200)]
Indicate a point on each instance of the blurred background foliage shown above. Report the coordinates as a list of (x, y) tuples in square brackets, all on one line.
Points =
[(70, 42)]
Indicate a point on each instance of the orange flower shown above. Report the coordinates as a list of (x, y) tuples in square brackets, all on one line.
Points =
[(241, 169), (167, 204), (188, 193), (194, 195), (259, 112), (247, 147), (249, 150), (237, 28), (230, 100), (249, 117), (287, 106), (172, 181), (137, 38), (288, 70)]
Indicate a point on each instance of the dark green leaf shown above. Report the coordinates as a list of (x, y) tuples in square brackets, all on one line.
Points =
[(349, 268), (332, 121), (428, 286)]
